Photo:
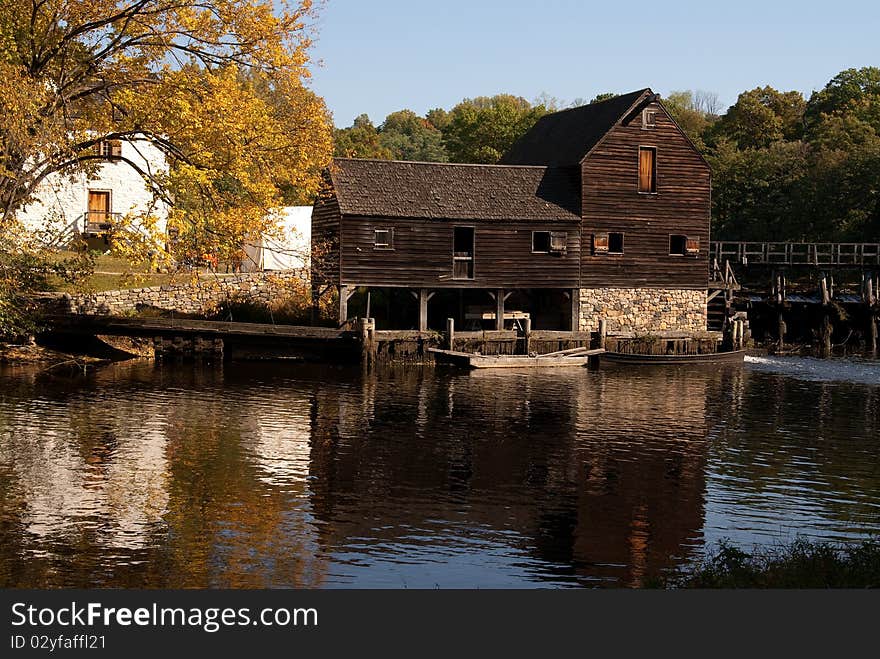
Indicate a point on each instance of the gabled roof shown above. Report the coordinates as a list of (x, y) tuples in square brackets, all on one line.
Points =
[(564, 138), (392, 188)]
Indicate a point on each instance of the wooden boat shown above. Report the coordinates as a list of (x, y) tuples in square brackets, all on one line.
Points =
[(565, 358), (730, 357)]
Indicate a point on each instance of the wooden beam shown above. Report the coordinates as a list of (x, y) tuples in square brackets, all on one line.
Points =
[(424, 296), (499, 310), (345, 293), (575, 309)]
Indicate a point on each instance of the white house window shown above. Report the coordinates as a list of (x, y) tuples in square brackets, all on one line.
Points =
[(649, 118), (383, 239), (110, 149)]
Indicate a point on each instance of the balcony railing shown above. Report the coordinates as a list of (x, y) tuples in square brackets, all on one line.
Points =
[(98, 222)]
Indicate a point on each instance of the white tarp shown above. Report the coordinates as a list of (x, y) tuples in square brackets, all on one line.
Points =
[(290, 251)]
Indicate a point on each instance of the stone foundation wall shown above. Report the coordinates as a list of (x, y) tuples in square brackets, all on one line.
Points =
[(643, 309), (189, 297)]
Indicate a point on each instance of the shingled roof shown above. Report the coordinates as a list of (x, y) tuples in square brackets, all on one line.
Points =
[(392, 188), (564, 138)]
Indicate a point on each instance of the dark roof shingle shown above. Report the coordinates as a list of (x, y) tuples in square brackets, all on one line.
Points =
[(391, 188), (564, 138)]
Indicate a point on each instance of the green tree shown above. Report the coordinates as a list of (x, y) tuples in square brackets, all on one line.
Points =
[(360, 140), (762, 116), (695, 120), (757, 193), (853, 92), (481, 129), (410, 137)]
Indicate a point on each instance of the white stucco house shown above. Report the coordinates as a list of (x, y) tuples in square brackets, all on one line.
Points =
[(70, 204), (66, 202), (289, 250)]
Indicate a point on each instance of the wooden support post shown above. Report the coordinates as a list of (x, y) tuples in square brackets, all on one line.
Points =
[(823, 287), (782, 330), (575, 309), (424, 296), (499, 309), (367, 334), (869, 289), (345, 293), (827, 329), (872, 332), (450, 333), (527, 335), (603, 332)]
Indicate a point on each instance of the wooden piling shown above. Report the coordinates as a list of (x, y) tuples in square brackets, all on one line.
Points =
[(527, 335), (499, 310), (827, 329), (603, 332), (872, 332), (367, 335), (782, 329), (450, 333)]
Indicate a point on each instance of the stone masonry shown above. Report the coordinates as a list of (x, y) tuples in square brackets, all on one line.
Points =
[(644, 310), (187, 297)]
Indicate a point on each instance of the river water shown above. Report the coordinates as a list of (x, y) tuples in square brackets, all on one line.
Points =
[(281, 475)]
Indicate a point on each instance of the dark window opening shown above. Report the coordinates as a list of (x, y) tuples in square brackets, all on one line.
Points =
[(549, 242), (677, 245), (540, 241), (463, 253), (615, 243), (647, 169), (383, 239)]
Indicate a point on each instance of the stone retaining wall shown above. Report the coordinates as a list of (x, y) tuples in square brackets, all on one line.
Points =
[(190, 297), (643, 309)]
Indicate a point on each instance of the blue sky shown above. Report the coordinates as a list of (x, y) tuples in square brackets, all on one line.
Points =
[(377, 56)]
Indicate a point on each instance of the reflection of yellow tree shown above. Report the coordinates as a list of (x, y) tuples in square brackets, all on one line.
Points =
[(226, 526)]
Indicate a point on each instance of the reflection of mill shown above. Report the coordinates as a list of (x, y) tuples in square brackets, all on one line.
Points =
[(596, 476)]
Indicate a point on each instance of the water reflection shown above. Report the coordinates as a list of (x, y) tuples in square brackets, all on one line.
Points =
[(278, 475)]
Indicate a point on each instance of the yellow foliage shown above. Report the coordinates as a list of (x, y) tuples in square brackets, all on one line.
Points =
[(218, 85)]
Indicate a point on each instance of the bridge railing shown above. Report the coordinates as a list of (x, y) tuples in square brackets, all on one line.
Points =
[(777, 253)]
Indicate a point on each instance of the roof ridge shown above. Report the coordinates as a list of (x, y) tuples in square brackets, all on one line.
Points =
[(617, 97), (444, 164)]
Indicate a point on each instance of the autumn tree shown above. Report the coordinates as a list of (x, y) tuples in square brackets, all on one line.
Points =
[(217, 85)]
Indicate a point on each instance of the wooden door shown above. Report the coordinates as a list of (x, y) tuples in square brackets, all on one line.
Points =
[(99, 207)]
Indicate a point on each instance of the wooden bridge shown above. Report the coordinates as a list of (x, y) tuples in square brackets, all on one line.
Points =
[(776, 254)]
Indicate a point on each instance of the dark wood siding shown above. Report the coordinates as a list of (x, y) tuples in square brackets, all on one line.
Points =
[(325, 240), (422, 255), (612, 203)]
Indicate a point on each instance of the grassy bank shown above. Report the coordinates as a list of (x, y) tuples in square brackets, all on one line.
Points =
[(801, 564)]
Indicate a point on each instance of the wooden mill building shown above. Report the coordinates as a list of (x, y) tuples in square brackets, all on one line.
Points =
[(600, 211)]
